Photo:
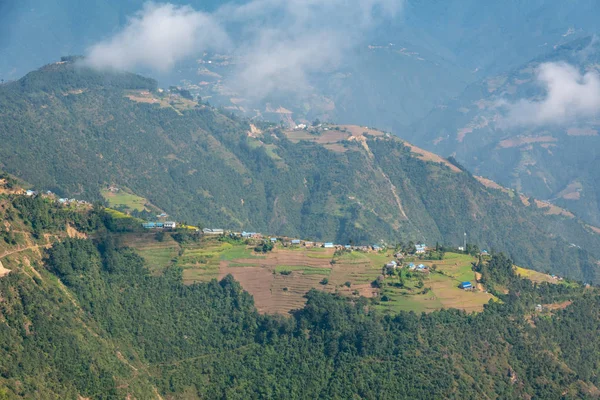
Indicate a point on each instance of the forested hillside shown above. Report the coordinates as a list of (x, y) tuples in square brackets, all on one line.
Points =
[(85, 318), (75, 131)]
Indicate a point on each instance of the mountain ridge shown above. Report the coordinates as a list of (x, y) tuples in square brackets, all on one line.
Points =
[(329, 182)]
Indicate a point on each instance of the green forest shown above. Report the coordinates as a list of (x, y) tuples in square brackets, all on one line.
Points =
[(93, 322)]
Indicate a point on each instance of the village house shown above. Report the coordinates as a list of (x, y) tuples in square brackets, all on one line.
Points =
[(213, 231), (295, 241), (328, 245), (421, 248), (170, 225), (466, 285)]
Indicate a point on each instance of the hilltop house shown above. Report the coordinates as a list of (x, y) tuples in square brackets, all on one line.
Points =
[(209, 231), (170, 225)]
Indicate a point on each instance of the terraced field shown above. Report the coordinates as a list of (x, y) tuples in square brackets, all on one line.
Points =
[(279, 280)]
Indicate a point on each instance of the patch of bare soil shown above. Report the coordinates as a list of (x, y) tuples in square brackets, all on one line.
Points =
[(3, 271), (558, 306), (74, 233)]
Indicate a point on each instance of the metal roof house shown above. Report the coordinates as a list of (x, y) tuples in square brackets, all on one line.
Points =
[(273, 240), (328, 245), (296, 241), (466, 285), (421, 248), (209, 231), (170, 225)]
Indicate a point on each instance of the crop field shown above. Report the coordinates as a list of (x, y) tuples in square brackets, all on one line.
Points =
[(157, 255), (124, 199), (279, 280), (535, 276)]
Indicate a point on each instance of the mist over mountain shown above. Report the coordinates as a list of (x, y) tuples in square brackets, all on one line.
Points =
[(534, 128), (360, 61)]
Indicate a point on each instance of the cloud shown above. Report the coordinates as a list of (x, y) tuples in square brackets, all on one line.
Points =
[(279, 43), (288, 41), (569, 95), (157, 37)]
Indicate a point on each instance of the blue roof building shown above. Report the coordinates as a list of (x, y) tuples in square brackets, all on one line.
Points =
[(296, 241), (466, 285), (328, 245)]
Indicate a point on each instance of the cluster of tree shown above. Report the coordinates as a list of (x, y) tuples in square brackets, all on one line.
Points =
[(264, 247), (208, 341)]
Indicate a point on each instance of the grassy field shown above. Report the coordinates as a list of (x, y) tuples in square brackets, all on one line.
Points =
[(305, 270), (125, 199)]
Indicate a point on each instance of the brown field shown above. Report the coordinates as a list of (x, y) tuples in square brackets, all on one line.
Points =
[(335, 147), (534, 276), (520, 141), (572, 191), (594, 229), (551, 209), (558, 306), (275, 293), (157, 255), (490, 184), (356, 130), (429, 156)]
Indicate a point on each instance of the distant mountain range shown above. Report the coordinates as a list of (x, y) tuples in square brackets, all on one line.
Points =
[(75, 132), (556, 160)]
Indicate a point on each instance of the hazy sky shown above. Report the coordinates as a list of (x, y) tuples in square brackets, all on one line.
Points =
[(281, 42)]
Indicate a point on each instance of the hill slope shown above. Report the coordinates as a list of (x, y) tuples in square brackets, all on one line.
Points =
[(75, 132), (555, 160), (86, 319)]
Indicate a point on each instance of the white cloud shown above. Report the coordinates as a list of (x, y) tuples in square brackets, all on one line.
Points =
[(288, 40), (569, 95), (280, 42), (157, 37)]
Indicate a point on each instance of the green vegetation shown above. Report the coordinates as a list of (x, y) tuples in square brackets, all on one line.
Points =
[(198, 164), (95, 322), (124, 201), (282, 269)]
